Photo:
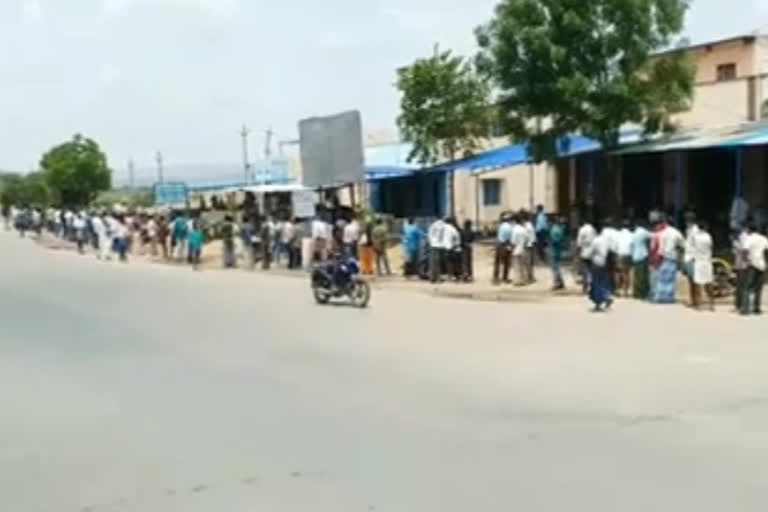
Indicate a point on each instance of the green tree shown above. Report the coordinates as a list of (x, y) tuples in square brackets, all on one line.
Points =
[(565, 66), (76, 171), (444, 107), (27, 190)]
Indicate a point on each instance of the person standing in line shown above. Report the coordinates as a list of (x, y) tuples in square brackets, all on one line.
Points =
[(584, 239), (703, 274), (557, 242), (78, 225), (503, 252), (435, 238), (740, 265), (412, 239), (287, 233), (612, 234), (467, 251), (7, 216), (530, 247), (640, 280), (756, 245), (180, 232), (351, 238), (691, 228), (37, 222), (162, 236), (519, 245), (196, 243), (320, 239), (366, 250), (452, 247), (380, 241), (119, 237), (267, 231), (599, 281), (190, 225), (623, 258), (228, 242), (294, 246), (670, 242), (152, 235), (542, 232), (102, 238)]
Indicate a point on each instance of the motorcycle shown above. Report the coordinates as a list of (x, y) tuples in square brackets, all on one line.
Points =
[(338, 279)]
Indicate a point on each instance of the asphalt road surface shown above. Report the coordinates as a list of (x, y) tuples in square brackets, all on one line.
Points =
[(150, 388)]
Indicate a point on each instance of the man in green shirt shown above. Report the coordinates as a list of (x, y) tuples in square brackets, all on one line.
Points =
[(380, 237), (557, 247)]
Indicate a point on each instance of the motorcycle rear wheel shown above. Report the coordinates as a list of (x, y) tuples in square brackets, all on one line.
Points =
[(321, 296)]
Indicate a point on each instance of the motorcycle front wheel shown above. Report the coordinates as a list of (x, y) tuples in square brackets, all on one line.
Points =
[(360, 293)]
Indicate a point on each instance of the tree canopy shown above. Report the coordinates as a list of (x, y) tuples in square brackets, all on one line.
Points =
[(24, 190), (565, 66), (444, 107), (76, 171)]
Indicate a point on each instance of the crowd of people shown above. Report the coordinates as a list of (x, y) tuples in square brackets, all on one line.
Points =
[(114, 234), (638, 258), (647, 257)]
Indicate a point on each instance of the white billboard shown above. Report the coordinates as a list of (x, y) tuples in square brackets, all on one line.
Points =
[(332, 150)]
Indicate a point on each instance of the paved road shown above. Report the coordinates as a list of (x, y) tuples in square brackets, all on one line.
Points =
[(148, 388)]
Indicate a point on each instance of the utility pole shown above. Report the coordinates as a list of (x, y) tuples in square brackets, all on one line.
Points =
[(159, 160), (131, 181), (244, 132), (268, 133)]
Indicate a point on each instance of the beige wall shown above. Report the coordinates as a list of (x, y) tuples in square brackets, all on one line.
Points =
[(726, 103), (707, 58), (515, 192), (716, 104)]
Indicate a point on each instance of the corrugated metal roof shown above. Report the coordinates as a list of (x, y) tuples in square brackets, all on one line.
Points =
[(734, 136)]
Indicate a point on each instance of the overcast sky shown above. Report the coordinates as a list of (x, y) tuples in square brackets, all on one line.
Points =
[(182, 75)]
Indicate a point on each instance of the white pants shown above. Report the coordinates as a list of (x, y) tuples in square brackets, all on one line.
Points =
[(105, 247)]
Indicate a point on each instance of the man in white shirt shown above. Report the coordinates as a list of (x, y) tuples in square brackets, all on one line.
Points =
[(584, 239), (350, 237), (452, 246), (756, 245), (623, 257), (78, 224), (435, 238), (670, 243), (600, 286), (320, 239), (691, 230), (519, 245), (530, 247)]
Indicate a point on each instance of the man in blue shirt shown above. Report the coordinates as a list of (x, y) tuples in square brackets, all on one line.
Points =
[(412, 239), (503, 254)]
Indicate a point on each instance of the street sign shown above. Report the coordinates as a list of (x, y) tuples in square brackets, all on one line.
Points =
[(170, 193), (332, 150), (304, 203)]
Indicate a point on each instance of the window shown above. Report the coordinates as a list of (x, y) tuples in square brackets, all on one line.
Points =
[(726, 71), (491, 192)]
